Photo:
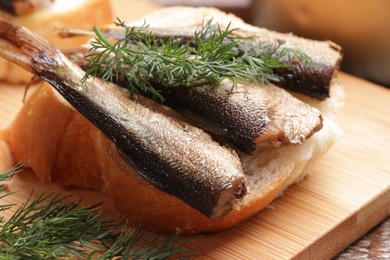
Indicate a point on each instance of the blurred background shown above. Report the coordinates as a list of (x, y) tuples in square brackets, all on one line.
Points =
[(361, 27)]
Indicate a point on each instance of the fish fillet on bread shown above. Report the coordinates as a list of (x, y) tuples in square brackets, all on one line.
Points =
[(62, 146), (44, 17)]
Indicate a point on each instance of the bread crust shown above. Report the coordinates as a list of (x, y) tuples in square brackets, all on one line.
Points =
[(47, 20)]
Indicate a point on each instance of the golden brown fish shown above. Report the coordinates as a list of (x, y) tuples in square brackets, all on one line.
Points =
[(180, 160)]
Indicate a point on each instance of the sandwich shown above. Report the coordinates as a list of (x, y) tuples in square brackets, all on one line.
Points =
[(202, 158)]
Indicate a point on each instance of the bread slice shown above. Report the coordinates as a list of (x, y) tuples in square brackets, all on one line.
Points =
[(61, 146), (60, 14)]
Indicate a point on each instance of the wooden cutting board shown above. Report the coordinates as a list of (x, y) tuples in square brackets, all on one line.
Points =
[(346, 194)]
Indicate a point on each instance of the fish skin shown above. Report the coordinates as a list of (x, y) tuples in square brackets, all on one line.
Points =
[(181, 160), (310, 78), (306, 80), (238, 116), (291, 120)]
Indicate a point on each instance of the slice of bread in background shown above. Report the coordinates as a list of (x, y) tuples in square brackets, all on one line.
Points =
[(61, 14)]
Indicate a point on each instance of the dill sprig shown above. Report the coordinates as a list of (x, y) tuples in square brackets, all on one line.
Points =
[(131, 245), (140, 58), (4, 177), (46, 226)]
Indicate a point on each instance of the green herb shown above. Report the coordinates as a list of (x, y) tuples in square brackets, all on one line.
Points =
[(4, 177), (131, 245), (140, 58), (46, 226)]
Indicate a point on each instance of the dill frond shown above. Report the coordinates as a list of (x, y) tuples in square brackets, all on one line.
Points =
[(4, 177), (48, 226), (141, 58), (134, 245)]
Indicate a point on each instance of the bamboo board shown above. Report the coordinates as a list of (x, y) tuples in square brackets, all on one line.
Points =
[(347, 193)]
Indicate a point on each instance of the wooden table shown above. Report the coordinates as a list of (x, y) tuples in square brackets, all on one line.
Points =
[(346, 195)]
